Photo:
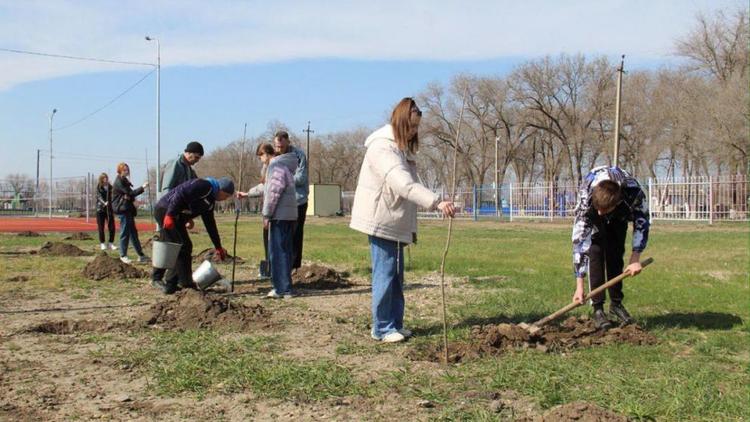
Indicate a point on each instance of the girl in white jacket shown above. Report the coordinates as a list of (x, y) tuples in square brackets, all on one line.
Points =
[(385, 208), (265, 153)]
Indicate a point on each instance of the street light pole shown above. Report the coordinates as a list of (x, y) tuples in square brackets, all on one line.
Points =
[(158, 113), (54, 110)]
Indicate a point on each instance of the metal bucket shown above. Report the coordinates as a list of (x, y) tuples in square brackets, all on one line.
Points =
[(206, 275), (165, 254)]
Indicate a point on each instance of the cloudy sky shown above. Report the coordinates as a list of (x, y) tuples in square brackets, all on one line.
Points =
[(339, 64)]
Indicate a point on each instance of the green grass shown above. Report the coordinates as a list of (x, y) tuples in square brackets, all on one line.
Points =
[(694, 299)]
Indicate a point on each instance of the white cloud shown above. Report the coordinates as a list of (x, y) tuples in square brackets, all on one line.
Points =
[(199, 33)]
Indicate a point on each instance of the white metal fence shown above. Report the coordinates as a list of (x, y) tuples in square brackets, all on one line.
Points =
[(706, 199)]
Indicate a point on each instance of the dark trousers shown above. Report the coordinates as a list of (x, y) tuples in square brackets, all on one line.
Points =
[(282, 233), (182, 272), (299, 234), (128, 234), (102, 217), (606, 259)]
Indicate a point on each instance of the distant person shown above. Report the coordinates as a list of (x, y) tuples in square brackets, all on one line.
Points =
[(302, 190), (104, 213), (175, 212), (265, 153), (280, 217), (608, 198), (385, 208), (123, 199), (180, 169)]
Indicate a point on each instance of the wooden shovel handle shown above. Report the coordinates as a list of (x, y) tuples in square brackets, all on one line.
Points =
[(594, 292)]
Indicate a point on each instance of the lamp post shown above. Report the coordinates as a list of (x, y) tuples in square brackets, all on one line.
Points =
[(54, 110), (158, 112)]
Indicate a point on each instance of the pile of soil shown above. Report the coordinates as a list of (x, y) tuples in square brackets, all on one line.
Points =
[(105, 266), (29, 233), (582, 411), (62, 249), (210, 254), (319, 277), (78, 236), (572, 333), (194, 309)]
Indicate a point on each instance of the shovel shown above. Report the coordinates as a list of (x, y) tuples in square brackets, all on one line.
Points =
[(536, 326)]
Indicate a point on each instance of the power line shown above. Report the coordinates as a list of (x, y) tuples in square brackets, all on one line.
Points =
[(62, 56), (107, 104)]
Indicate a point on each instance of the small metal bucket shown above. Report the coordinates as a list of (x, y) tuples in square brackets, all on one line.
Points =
[(165, 254), (206, 275)]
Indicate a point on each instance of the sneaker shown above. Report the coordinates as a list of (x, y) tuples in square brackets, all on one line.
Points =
[(112, 247), (405, 332), (289, 295), (394, 337), (158, 284), (619, 312), (125, 259), (273, 295), (143, 259), (103, 246), (600, 320)]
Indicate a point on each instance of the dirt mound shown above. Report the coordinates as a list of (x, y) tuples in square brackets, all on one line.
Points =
[(572, 333), (193, 309), (78, 236), (18, 278), (29, 233), (210, 254), (70, 327), (583, 412), (105, 266), (62, 249), (319, 277)]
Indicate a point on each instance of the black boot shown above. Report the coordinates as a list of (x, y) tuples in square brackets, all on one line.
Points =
[(187, 285), (158, 284), (600, 319), (618, 311), (170, 287)]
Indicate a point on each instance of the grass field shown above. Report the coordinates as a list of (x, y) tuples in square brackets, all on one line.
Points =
[(694, 299)]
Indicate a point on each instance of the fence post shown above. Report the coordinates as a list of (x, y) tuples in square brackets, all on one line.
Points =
[(474, 201), (710, 201), (510, 201), (551, 200)]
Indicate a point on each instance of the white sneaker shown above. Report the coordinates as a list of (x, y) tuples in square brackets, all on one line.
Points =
[(112, 247), (405, 332), (125, 259), (143, 259), (394, 337), (273, 295), (103, 246), (289, 295)]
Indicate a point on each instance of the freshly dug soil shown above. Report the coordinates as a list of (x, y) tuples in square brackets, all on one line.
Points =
[(572, 333), (62, 249), (71, 327), (582, 412), (105, 266), (78, 236), (193, 309), (319, 277), (29, 233), (210, 254), (18, 278)]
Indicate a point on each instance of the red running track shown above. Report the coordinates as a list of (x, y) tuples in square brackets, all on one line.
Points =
[(46, 225)]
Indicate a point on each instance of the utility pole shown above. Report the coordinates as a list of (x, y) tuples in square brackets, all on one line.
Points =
[(620, 71), (36, 189), (498, 212), (158, 112), (54, 110), (307, 149)]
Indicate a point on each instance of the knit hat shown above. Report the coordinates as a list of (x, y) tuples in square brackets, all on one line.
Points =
[(226, 185), (194, 147)]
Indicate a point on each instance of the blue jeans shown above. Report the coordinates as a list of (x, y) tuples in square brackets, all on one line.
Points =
[(128, 232), (387, 286), (281, 254)]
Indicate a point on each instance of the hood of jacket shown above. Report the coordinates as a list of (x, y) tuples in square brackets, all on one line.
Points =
[(288, 160), (385, 134)]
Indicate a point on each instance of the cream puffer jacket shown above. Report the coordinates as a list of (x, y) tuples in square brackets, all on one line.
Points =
[(388, 192)]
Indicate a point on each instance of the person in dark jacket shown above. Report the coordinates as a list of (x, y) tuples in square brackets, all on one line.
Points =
[(608, 199), (175, 212), (123, 197), (180, 169), (301, 189), (104, 213)]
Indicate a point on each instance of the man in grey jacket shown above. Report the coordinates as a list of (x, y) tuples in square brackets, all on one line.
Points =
[(180, 170), (282, 146)]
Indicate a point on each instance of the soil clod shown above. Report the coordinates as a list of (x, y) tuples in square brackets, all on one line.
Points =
[(62, 249), (78, 236), (572, 333), (193, 309), (105, 266), (210, 255), (319, 277)]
